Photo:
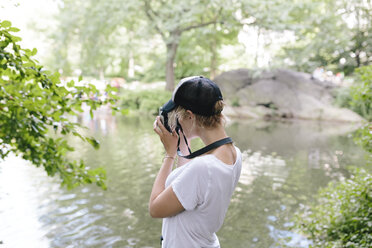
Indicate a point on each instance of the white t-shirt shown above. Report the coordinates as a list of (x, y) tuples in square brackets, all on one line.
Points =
[(204, 187)]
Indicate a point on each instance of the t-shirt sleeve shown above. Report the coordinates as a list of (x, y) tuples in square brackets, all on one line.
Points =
[(191, 185)]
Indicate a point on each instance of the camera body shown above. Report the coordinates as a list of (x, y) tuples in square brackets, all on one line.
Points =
[(163, 114)]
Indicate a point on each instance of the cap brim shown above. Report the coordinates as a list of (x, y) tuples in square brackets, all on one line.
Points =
[(169, 106)]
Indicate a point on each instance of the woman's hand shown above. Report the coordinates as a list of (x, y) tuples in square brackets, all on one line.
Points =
[(168, 139), (164, 202)]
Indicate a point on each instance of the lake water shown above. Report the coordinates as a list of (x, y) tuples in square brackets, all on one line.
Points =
[(284, 165)]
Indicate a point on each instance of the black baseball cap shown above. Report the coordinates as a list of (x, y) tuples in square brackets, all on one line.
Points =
[(197, 94)]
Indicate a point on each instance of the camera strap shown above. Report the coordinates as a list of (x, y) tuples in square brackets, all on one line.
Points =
[(201, 151)]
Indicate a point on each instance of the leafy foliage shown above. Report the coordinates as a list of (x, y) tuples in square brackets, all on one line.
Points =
[(146, 101), (101, 32), (342, 97), (117, 36), (328, 31), (358, 97), (34, 102), (361, 93), (363, 137), (198, 50), (341, 216)]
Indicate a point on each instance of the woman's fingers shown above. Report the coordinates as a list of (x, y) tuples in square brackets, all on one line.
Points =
[(174, 133), (168, 139), (157, 129), (160, 125)]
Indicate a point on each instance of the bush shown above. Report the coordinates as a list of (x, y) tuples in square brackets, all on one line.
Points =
[(146, 101), (343, 97), (359, 96), (235, 102), (363, 137), (341, 216), (361, 93)]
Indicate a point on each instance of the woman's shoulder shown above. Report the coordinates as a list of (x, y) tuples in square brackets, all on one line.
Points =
[(229, 157), (202, 163), (198, 164)]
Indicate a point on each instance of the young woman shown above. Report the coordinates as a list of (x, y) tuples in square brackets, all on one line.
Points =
[(193, 198)]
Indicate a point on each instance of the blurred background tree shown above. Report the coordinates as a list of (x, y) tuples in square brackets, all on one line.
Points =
[(331, 33), (96, 37), (151, 40), (172, 19)]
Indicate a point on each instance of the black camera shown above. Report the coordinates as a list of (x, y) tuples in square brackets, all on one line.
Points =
[(163, 113)]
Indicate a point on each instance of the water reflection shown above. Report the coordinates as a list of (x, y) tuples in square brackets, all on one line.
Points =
[(284, 164), (256, 164), (103, 121), (19, 205)]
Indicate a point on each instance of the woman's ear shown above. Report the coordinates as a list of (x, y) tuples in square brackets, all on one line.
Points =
[(190, 115)]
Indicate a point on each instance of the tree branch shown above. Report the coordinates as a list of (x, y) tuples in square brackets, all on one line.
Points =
[(149, 11), (203, 24), (198, 25)]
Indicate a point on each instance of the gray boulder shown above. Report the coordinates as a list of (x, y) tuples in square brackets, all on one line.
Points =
[(280, 94)]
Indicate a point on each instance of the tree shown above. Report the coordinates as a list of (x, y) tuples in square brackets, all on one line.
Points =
[(101, 32), (171, 19), (112, 36), (33, 103), (330, 33), (198, 52), (92, 28)]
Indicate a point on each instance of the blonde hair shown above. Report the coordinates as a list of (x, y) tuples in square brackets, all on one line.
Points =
[(208, 122)]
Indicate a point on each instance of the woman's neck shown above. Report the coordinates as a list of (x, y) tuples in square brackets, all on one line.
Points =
[(208, 136)]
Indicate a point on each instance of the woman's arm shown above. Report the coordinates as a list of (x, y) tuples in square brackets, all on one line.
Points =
[(163, 202)]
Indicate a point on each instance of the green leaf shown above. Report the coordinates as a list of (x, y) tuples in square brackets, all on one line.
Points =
[(6, 24), (13, 29), (34, 52), (71, 84), (78, 135), (93, 142), (124, 111)]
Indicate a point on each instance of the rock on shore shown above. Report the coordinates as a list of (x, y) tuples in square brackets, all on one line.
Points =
[(280, 94)]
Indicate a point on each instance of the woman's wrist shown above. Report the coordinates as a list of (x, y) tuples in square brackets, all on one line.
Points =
[(172, 153), (168, 157)]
